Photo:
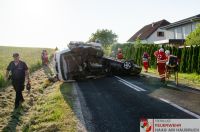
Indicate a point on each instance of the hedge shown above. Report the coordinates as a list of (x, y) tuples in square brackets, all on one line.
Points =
[(189, 57)]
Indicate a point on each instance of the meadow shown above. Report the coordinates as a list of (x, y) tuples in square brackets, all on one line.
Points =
[(32, 56)]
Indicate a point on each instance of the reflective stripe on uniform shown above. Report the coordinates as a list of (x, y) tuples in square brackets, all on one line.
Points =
[(162, 75), (145, 61), (161, 61)]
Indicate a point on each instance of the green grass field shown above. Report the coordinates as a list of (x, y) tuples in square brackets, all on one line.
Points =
[(32, 56)]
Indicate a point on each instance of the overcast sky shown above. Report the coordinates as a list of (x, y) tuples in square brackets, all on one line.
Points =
[(51, 23)]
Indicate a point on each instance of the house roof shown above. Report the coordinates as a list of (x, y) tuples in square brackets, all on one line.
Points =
[(182, 22), (147, 30)]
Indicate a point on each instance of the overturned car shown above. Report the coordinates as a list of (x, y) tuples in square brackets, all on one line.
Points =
[(81, 60)]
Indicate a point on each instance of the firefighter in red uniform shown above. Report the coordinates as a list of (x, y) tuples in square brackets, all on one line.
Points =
[(145, 60), (161, 63), (119, 54)]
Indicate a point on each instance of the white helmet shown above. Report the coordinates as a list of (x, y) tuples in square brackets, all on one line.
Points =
[(119, 49), (161, 50), (167, 52)]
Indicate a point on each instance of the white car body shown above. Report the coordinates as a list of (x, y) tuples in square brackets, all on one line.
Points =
[(57, 58)]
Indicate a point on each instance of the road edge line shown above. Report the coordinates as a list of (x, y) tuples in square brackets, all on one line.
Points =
[(180, 108)]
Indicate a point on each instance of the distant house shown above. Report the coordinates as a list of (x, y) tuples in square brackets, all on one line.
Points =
[(151, 32), (176, 32)]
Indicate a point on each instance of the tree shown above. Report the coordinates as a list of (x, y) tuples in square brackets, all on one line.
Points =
[(183, 64), (198, 61), (105, 37), (137, 42), (194, 37), (189, 65)]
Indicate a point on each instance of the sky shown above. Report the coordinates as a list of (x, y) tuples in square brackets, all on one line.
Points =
[(51, 23)]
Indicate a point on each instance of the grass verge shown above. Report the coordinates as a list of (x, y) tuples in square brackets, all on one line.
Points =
[(53, 112), (192, 79)]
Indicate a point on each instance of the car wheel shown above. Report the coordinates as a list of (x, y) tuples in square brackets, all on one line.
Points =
[(127, 65)]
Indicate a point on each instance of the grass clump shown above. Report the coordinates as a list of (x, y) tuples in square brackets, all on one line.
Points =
[(53, 112)]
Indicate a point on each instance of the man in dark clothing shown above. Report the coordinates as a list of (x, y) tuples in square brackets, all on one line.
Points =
[(19, 71)]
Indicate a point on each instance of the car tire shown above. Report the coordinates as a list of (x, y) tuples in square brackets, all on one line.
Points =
[(127, 65)]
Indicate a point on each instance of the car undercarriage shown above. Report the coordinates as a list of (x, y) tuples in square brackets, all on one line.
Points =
[(87, 59)]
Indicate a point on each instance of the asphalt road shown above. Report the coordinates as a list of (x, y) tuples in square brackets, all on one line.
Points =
[(116, 104)]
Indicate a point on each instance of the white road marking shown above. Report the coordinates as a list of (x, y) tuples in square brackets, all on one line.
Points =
[(130, 84), (180, 108)]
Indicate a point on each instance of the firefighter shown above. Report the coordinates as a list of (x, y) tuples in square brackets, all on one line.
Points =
[(145, 60), (44, 57), (45, 64), (167, 53), (19, 71), (171, 63), (161, 63), (119, 54)]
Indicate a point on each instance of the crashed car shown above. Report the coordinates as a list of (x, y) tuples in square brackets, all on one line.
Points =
[(81, 60)]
